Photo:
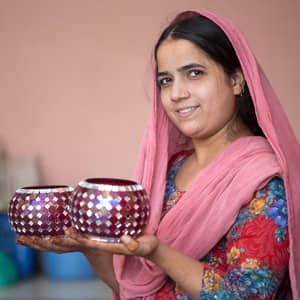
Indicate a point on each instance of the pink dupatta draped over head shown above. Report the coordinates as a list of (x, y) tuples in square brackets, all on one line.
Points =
[(209, 207)]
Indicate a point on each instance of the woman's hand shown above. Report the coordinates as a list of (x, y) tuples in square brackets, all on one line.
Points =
[(62, 244), (143, 246)]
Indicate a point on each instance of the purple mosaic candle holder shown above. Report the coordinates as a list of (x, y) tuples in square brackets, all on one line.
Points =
[(40, 210), (104, 209)]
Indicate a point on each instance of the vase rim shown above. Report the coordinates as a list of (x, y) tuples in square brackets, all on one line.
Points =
[(44, 189), (110, 181), (111, 184)]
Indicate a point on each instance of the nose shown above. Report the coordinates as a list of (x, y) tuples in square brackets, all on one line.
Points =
[(179, 91)]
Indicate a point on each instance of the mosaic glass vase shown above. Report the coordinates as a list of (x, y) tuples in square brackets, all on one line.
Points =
[(106, 208), (40, 210)]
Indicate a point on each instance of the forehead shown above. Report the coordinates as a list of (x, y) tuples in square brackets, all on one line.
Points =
[(172, 54)]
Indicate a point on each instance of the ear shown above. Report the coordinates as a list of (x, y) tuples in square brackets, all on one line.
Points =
[(238, 82)]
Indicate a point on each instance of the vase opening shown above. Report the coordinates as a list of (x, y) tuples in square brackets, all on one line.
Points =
[(110, 181)]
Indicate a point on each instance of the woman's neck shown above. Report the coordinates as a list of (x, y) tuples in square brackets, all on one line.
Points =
[(207, 149)]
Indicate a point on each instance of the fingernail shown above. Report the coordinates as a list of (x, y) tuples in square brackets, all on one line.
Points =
[(130, 243)]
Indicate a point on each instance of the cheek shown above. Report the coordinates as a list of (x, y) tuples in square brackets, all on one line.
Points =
[(218, 97), (207, 96), (164, 100), (223, 109), (204, 89)]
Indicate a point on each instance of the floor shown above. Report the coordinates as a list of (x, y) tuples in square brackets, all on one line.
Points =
[(42, 288)]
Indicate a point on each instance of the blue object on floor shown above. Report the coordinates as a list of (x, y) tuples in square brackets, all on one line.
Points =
[(7, 236), (8, 270), (26, 261), (66, 266), (23, 257)]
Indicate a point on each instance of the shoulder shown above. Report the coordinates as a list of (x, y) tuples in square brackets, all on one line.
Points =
[(272, 197), (268, 206), (275, 202), (274, 188)]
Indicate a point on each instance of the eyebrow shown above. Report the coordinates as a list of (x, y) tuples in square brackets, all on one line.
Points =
[(181, 69)]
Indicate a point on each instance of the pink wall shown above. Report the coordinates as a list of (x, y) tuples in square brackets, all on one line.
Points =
[(75, 75)]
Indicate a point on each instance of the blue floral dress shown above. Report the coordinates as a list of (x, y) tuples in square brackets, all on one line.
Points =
[(251, 260)]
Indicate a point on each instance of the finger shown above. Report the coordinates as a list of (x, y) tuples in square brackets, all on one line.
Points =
[(67, 242), (71, 236), (28, 242), (116, 248), (69, 231), (41, 244), (51, 246), (131, 244)]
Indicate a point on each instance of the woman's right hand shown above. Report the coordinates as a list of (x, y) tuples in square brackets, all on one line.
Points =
[(61, 244)]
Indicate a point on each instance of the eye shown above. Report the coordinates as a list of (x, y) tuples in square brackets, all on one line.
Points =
[(195, 73), (164, 81)]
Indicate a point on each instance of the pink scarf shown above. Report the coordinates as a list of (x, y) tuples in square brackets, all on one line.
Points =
[(209, 207)]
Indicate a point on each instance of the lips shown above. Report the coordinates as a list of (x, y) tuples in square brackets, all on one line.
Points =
[(186, 111)]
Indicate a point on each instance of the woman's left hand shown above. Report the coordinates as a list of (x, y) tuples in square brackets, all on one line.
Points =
[(143, 246)]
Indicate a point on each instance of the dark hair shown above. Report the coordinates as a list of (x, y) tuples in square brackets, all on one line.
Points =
[(207, 35)]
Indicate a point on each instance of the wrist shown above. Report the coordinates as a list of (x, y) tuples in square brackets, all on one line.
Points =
[(154, 254)]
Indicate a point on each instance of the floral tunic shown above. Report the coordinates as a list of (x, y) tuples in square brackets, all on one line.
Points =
[(251, 260)]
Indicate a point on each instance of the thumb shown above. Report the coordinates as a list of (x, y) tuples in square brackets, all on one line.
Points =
[(131, 244)]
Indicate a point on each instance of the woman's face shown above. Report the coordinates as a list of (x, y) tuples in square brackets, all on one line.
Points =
[(196, 93)]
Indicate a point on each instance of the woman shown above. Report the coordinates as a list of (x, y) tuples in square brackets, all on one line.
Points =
[(223, 223)]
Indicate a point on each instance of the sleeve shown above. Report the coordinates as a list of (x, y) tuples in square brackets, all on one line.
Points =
[(251, 260)]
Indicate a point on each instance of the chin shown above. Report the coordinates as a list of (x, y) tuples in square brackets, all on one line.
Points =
[(190, 134)]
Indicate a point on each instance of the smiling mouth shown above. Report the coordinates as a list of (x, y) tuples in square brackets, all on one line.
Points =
[(187, 110)]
